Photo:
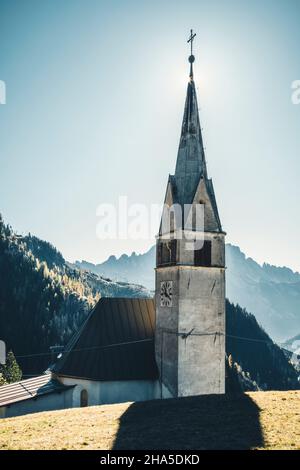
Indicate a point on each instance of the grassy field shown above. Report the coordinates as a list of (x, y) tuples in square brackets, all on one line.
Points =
[(258, 420)]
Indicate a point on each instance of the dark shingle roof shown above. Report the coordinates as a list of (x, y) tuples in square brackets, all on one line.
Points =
[(30, 388), (116, 342)]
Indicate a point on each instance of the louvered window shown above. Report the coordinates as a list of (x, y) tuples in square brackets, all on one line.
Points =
[(166, 253), (202, 257)]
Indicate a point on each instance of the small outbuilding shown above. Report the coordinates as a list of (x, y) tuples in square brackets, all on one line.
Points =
[(41, 393)]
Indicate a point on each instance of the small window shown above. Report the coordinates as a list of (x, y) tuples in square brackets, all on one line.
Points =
[(202, 257), (84, 398), (166, 253), (173, 253)]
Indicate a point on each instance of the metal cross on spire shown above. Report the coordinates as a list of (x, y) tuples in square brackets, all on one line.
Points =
[(191, 39), (191, 58)]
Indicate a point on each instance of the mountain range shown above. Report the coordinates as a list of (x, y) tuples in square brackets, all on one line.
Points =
[(270, 292)]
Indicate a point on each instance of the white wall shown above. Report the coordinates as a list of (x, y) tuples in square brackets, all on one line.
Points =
[(98, 393), (114, 391), (53, 401)]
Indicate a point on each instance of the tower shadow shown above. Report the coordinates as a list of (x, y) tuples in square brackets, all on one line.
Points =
[(211, 422)]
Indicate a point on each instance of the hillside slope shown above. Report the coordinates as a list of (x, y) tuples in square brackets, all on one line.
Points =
[(42, 300), (257, 420), (261, 360), (271, 293)]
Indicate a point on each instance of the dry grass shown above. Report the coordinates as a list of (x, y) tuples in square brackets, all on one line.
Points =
[(259, 420), (279, 418)]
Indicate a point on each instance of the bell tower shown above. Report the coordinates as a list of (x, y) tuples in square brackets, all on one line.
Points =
[(190, 270)]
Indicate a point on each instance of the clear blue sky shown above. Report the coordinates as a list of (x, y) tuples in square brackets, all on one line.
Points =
[(95, 95)]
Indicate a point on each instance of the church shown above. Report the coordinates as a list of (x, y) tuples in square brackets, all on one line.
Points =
[(169, 346)]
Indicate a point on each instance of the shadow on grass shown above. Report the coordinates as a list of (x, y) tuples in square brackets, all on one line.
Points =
[(203, 422)]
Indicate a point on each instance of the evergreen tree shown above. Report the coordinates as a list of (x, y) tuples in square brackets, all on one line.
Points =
[(11, 371), (2, 381)]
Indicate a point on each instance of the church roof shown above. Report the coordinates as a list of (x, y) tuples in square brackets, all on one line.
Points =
[(116, 342), (29, 389)]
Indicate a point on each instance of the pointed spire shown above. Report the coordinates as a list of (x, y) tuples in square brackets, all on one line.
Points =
[(191, 164)]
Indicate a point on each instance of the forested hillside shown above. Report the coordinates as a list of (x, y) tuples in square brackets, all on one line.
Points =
[(42, 299), (259, 361)]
